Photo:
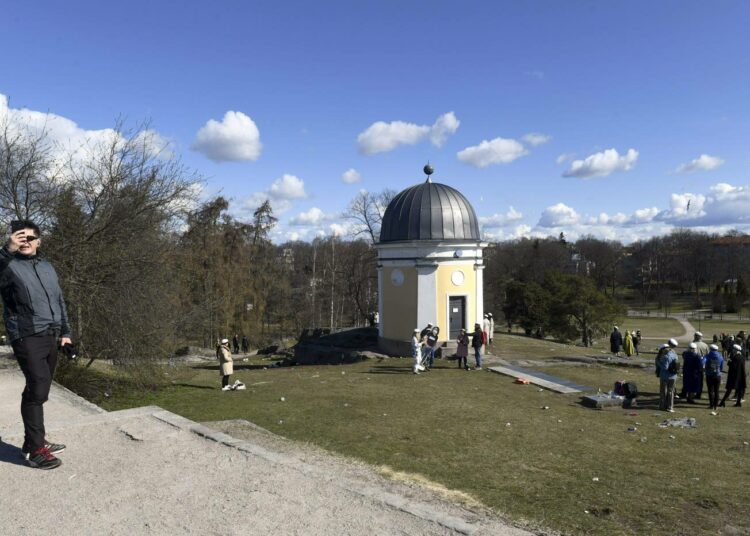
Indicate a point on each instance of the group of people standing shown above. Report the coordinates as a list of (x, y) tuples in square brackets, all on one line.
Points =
[(237, 341), (700, 361), (629, 343), (424, 344)]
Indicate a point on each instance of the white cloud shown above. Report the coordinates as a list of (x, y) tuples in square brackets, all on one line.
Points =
[(722, 208), (724, 204), (500, 220), (66, 139), (703, 163), (684, 206), (281, 193), (644, 215), (312, 217), (445, 125), (382, 137), (235, 138), (564, 158), (497, 151), (602, 164), (351, 176), (557, 215), (287, 187), (338, 229), (534, 138)]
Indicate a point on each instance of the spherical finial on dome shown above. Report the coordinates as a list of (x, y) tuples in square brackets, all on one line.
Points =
[(428, 170)]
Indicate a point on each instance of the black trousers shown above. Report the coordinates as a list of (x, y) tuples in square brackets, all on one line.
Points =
[(37, 356), (713, 383)]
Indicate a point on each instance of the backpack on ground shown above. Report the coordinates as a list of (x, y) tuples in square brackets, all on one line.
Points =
[(629, 390)]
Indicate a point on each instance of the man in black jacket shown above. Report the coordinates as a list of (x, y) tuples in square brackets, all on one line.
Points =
[(36, 320)]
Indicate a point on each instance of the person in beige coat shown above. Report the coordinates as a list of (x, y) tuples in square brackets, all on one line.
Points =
[(224, 355)]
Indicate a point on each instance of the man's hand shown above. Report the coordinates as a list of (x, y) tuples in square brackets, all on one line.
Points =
[(16, 240), (65, 340)]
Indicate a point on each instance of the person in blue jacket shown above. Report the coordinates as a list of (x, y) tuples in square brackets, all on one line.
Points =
[(714, 367), (666, 371), (692, 372)]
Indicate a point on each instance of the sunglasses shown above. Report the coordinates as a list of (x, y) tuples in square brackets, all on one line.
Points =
[(31, 238)]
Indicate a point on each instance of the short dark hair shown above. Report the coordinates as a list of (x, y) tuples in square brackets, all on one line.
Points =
[(17, 225)]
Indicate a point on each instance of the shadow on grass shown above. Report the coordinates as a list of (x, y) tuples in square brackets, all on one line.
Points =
[(237, 366), (192, 385), (408, 369), (11, 454)]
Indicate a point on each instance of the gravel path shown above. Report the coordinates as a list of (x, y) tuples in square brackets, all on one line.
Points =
[(149, 471)]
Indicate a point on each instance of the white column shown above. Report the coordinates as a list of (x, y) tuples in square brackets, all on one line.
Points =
[(426, 295), (479, 269), (380, 301)]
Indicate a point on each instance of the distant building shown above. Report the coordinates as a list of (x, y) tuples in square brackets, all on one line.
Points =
[(429, 265)]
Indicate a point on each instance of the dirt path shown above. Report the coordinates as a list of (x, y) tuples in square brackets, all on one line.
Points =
[(149, 471)]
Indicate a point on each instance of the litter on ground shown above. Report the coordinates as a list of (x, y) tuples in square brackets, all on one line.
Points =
[(683, 422)]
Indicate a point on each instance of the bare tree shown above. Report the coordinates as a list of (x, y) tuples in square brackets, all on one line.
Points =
[(366, 213), (28, 174)]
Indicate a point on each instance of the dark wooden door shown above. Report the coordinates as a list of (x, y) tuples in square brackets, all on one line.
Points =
[(456, 315)]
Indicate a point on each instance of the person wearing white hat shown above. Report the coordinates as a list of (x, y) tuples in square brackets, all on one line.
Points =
[(702, 350), (416, 351), (736, 377), (666, 370), (486, 331), (692, 372), (714, 367), (615, 341), (226, 368)]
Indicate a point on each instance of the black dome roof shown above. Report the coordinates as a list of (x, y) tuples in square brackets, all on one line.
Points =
[(429, 211)]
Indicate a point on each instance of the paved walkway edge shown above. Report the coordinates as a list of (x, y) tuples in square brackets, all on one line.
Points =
[(552, 386)]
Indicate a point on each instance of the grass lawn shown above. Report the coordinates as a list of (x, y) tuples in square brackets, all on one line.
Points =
[(652, 327), (709, 327), (567, 468)]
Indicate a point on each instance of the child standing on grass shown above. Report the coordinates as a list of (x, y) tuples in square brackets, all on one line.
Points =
[(462, 350)]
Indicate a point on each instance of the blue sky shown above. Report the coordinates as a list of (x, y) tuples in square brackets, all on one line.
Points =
[(600, 118)]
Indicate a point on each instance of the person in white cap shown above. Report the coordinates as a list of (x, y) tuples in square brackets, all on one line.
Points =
[(666, 370), (714, 368), (736, 377), (615, 341), (486, 331), (692, 372), (226, 368), (416, 351), (701, 350), (491, 334)]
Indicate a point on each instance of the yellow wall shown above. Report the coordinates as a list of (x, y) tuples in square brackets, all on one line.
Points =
[(399, 304), (446, 287)]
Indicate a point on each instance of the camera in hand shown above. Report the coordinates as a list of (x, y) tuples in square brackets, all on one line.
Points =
[(70, 351)]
